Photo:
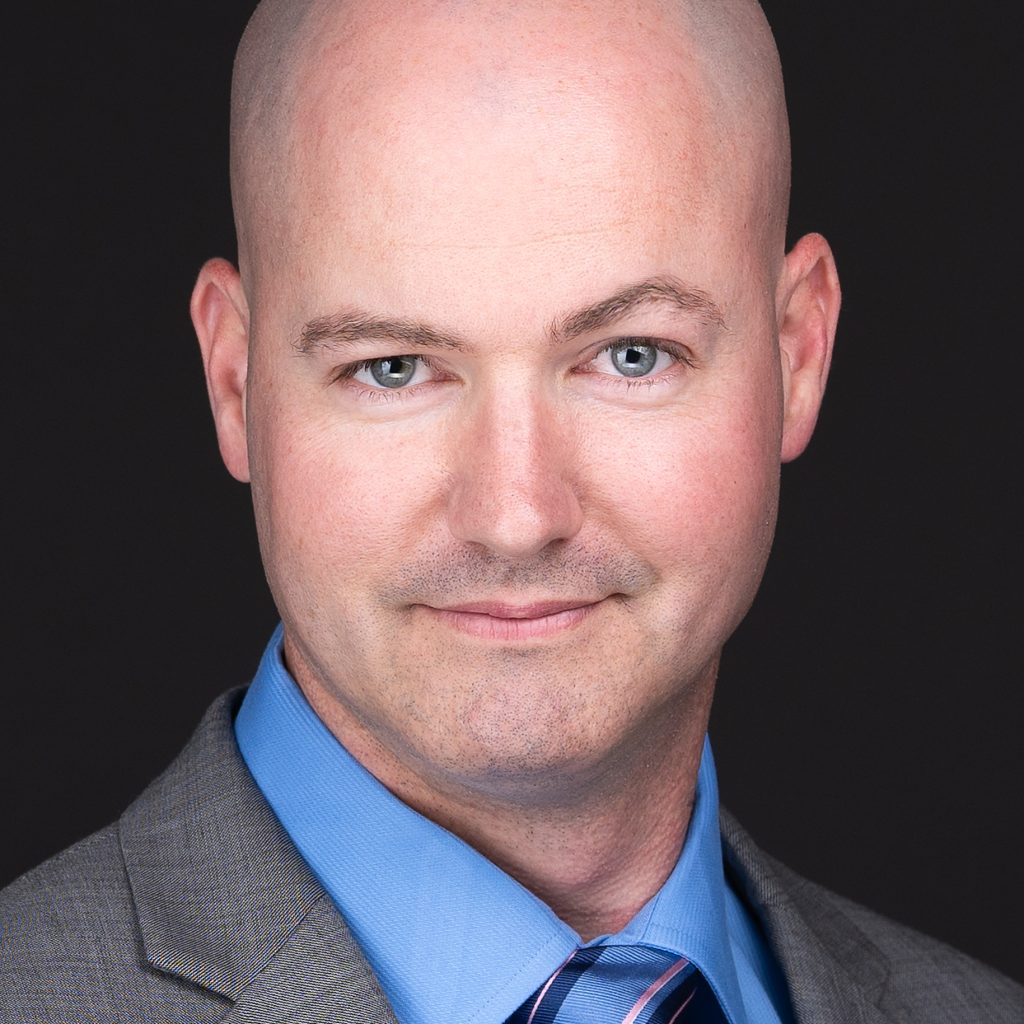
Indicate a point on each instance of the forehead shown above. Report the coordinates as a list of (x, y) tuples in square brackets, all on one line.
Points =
[(442, 152)]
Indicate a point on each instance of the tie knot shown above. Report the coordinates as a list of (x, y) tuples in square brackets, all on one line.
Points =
[(622, 985)]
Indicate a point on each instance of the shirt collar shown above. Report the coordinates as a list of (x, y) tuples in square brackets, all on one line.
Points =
[(450, 935)]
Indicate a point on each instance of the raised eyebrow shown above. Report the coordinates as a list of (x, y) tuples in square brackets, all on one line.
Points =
[(664, 289), (350, 326)]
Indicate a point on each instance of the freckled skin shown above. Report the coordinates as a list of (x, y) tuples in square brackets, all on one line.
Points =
[(541, 172)]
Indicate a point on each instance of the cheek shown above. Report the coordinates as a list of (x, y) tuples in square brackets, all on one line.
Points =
[(338, 503), (697, 487)]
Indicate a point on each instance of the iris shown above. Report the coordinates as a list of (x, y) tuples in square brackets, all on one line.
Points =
[(394, 372), (632, 359)]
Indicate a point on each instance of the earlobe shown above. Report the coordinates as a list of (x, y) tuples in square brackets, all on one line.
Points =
[(221, 320), (808, 309)]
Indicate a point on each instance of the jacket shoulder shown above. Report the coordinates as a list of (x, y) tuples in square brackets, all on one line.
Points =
[(930, 972), (70, 949), (844, 962), (907, 974)]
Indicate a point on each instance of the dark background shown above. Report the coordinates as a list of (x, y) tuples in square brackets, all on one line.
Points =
[(868, 726)]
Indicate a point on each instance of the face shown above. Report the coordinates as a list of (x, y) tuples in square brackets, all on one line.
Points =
[(514, 409)]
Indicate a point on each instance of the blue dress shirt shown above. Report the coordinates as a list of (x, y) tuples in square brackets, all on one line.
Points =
[(451, 937)]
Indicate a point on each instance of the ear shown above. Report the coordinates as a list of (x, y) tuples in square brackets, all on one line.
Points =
[(220, 315), (807, 306)]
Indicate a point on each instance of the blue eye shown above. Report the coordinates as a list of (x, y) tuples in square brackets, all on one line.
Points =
[(394, 372), (633, 359)]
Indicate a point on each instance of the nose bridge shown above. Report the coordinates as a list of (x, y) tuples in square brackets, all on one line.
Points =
[(514, 489)]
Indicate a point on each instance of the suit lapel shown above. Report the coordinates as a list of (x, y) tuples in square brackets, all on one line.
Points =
[(318, 976), (224, 900), (831, 968)]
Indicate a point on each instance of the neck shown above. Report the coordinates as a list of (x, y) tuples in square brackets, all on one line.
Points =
[(594, 845), (596, 863)]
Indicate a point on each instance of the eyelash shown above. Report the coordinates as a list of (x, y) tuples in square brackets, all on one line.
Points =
[(379, 395), (349, 370), (677, 352)]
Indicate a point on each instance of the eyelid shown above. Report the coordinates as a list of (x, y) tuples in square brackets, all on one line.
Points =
[(346, 371), (672, 348), (675, 349)]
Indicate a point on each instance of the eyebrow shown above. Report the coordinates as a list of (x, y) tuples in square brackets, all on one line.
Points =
[(350, 326), (663, 290)]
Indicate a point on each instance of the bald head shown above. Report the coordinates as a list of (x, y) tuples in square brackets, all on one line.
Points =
[(373, 69)]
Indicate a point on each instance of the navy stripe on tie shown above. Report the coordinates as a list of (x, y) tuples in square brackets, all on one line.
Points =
[(685, 996), (564, 983), (704, 1006), (632, 984)]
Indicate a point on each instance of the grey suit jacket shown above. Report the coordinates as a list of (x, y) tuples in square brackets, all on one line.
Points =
[(195, 906)]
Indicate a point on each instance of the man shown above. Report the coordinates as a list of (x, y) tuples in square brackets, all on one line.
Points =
[(511, 359)]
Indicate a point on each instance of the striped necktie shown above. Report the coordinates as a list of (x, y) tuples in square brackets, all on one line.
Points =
[(622, 985)]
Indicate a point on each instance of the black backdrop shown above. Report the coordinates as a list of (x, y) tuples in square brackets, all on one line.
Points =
[(868, 726)]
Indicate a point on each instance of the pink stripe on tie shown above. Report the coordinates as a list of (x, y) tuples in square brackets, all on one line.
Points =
[(547, 985), (675, 1015), (653, 991)]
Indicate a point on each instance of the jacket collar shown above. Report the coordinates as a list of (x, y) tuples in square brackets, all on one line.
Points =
[(224, 900)]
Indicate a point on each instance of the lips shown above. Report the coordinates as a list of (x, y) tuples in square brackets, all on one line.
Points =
[(533, 610), (507, 622)]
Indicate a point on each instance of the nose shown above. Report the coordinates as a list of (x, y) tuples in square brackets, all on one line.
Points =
[(512, 486)]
